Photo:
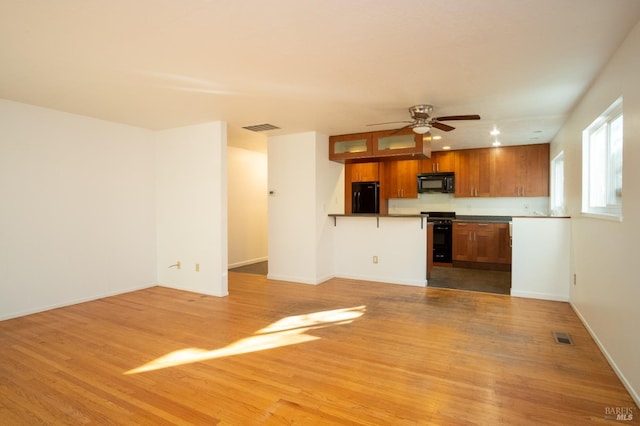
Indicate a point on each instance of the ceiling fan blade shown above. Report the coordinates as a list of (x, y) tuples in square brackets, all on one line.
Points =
[(402, 128), (458, 117), (389, 122), (442, 126)]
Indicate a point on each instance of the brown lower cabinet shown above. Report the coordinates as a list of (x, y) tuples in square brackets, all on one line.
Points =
[(481, 242)]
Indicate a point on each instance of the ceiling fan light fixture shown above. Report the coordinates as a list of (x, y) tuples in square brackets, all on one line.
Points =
[(421, 129)]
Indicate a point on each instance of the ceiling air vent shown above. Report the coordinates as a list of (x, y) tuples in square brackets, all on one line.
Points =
[(261, 127)]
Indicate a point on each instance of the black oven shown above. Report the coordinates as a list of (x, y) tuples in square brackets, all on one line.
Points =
[(442, 235)]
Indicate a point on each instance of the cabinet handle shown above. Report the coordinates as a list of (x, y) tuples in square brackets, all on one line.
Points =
[(437, 167)]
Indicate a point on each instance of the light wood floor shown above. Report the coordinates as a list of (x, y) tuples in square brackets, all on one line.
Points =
[(344, 352)]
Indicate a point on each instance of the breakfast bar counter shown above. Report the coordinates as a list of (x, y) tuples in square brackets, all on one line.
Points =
[(383, 248)]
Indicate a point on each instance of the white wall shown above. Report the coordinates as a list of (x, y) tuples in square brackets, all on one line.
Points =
[(399, 243), (247, 203), (304, 183), (540, 267), (77, 215), (607, 293), (192, 208), (329, 199)]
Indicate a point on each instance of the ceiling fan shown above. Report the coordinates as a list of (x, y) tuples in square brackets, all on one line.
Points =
[(423, 122)]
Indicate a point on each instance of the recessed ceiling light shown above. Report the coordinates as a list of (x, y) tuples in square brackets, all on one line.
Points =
[(436, 137), (446, 147), (537, 131), (494, 132)]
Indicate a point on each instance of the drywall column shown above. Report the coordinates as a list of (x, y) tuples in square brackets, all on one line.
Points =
[(191, 214), (302, 184)]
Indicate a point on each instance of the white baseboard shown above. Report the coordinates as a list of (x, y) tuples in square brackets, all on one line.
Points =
[(292, 279), (247, 262), (543, 296), (612, 363), (71, 302)]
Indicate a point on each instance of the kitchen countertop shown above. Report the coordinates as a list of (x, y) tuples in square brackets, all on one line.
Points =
[(375, 215), (482, 218), (458, 218)]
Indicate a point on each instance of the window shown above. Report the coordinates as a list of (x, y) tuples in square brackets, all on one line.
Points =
[(557, 186), (602, 164)]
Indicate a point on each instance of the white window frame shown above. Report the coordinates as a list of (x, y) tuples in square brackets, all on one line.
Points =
[(602, 171), (557, 202)]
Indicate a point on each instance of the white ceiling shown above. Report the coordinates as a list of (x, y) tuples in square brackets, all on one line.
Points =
[(332, 66)]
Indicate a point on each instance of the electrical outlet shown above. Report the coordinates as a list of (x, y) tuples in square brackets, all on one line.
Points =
[(197, 267), (178, 265), (375, 259)]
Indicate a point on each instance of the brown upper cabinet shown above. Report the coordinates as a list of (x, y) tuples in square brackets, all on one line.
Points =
[(473, 172), (362, 172), (440, 161), (350, 147), (382, 145), (512, 171), (400, 179), (521, 171)]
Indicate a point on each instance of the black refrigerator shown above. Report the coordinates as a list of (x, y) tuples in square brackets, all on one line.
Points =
[(365, 197)]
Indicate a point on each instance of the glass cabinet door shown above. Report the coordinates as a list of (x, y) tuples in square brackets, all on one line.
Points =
[(350, 147), (397, 142), (344, 147), (392, 142)]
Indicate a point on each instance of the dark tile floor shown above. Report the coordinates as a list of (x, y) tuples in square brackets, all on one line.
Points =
[(259, 268), (498, 282)]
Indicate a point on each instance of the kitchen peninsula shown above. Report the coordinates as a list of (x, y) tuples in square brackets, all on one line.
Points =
[(398, 243), (383, 248)]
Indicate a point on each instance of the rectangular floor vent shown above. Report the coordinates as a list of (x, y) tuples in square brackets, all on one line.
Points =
[(562, 338)]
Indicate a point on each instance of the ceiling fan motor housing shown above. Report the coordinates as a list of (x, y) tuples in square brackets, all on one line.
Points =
[(421, 111)]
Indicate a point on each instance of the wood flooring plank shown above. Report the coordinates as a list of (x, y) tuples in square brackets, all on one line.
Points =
[(370, 354)]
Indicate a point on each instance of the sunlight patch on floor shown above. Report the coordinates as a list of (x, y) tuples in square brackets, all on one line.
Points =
[(287, 331)]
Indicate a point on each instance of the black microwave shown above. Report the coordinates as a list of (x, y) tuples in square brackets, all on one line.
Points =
[(437, 183)]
